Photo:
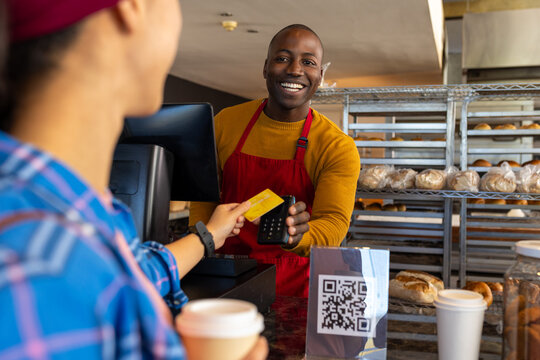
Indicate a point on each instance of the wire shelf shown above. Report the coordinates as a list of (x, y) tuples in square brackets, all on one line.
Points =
[(438, 194), (426, 93)]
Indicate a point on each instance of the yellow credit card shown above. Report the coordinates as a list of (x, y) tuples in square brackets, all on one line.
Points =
[(262, 203)]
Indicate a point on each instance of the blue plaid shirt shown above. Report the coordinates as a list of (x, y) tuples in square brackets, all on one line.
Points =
[(65, 289)]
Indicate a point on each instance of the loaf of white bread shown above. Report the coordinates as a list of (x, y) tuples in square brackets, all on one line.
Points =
[(416, 286)]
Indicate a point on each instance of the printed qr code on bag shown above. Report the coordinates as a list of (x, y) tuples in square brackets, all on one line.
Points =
[(344, 306)]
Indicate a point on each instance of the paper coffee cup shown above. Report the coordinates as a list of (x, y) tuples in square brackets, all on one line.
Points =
[(223, 329), (460, 317)]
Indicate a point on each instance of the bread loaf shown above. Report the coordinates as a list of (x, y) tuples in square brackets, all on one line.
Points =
[(430, 179), (499, 179), (467, 180), (412, 289), (482, 126), (528, 179), (505, 127), (374, 207), (373, 178), (401, 179), (415, 286), (531, 162), (496, 201), (396, 138), (476, 201), (390, 207), (512, 163), (481, 163)]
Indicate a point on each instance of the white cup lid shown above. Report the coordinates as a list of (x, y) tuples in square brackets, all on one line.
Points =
[(528, 248), (460, 300), (219, 318)]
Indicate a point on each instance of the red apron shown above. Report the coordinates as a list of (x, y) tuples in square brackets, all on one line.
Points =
[(244, 176)]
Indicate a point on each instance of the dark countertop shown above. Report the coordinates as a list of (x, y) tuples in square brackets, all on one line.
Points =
[(285, 330)]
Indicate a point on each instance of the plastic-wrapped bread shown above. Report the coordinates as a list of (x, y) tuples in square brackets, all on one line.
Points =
[(374, 178), (467, 180), (499, 179), (528, 179), (431, 179), (401, 179)]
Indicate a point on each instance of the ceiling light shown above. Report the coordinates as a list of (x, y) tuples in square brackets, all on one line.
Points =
[(229, 25)]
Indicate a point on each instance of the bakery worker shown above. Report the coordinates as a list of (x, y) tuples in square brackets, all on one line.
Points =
[(70, 284), (282, 144)]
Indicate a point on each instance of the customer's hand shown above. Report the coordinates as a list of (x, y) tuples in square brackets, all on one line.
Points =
[(259, 351), (297, 223), (227, 220)]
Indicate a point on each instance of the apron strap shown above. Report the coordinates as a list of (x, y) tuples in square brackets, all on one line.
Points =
[(301, 144), (252, 122)]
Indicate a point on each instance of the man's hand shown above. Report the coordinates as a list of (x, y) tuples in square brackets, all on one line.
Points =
[(226, 221), (297, 223)]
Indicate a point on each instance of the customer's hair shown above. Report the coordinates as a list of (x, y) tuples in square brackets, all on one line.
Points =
[(30, 61), (295, 26)]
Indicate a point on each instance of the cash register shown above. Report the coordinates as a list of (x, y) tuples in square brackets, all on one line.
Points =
[(171, 155)]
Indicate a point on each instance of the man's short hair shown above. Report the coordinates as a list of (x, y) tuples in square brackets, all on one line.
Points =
[(295, 26)]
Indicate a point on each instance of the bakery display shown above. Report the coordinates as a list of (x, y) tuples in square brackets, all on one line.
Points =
[(482, 288), (505, 127), (360, 138), (482, 126), (430, 179), (396, 138), (481, 163), (375, 139), (401, 179), (495, 286), (517, 202), (478, 201), (531, 162), (417, 138), (389, 207), (373, 178), (439, 139), (416, 286), (528, 179), (512, 163), (499, 179), (467, 180), (533, 126), (496, 201), (374, 207), (401, 207)]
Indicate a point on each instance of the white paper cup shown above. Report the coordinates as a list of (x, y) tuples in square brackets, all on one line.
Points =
[(460, 316), (224, 329)]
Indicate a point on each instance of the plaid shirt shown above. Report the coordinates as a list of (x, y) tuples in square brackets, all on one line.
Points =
[(65, 289)]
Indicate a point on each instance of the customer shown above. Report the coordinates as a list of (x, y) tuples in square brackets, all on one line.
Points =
[(282, 144), (70, 286)]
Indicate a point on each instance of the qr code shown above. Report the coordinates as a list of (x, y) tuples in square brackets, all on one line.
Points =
[(345, 305)]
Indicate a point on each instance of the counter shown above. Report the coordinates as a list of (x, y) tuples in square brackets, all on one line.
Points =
[(285, 330)]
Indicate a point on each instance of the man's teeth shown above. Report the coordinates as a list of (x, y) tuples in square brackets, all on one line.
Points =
[(292, 86)]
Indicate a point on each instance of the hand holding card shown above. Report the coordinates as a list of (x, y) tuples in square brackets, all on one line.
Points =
[(262, 203)]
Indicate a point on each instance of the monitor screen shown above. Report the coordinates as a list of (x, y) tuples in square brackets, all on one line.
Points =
[(187, 131)]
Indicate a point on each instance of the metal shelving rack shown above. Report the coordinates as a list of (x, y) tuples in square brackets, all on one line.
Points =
[(476, 237), (487, 236)]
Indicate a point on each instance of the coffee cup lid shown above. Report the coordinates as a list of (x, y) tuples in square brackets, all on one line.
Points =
[(459, 299), (219, 318)]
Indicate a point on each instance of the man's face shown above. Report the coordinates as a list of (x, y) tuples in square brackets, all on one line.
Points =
[(293, 69)]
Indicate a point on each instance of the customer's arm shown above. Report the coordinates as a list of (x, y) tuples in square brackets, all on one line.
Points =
[(334, 197)]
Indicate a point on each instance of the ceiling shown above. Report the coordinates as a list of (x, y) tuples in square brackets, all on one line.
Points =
[(362, 38)]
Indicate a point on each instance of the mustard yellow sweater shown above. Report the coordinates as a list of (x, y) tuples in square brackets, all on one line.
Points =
[(331, 160)]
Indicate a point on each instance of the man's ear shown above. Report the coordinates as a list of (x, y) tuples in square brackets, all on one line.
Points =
[(128, 13), (264, 68)]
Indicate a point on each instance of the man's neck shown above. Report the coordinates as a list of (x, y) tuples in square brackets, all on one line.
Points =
[(278, 113), (75, 126)]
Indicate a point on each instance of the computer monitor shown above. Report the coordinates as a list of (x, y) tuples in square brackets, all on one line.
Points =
[(170, 155)]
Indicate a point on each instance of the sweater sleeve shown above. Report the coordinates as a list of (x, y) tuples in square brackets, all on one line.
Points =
[(335, 194)]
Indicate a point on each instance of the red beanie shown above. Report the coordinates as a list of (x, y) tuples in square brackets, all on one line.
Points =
[(34, 18)]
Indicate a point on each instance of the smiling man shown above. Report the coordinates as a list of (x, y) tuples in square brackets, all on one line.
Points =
[(281, 144)]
